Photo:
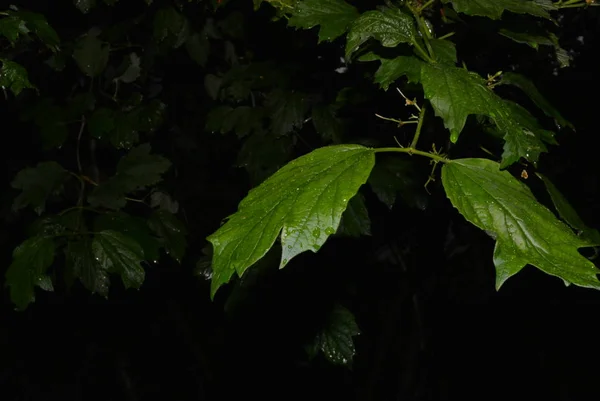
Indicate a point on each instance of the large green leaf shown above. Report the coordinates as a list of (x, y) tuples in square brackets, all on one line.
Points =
[(494, 8), (117, 253), (14, 77), (136, 170), (171, 232), (334, 17), (37, 184), (31, 259), (80, 259), (389, 26), (335, 340), (133, 227), (303, 201), (91, 54), (525, 231), (568, 213), (393, 69), (521, 82)]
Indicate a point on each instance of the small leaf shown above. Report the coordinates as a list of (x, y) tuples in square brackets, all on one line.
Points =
[(525, 231), (14, 77), (390, 27), (130, 226), (198, 48), (85, 6), (303, 201), (133, 69), (336, 339), (334, 17), (171, 27), (568, 214), (31, 259), (444, 50), (494, 8), (91, 54), (117, 253), (80, 259), (287, 110), (392, 70), (38, 184), (212, 83), (171, 233), (521, 82), (355, 220)]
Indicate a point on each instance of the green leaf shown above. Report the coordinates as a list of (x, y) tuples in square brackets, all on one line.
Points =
[(133, 227), (14, 77), (101, 123), (326, 123), (132, 71), (37, 184), (117, 253), (521, 82), (85, 6), (171, 232), (334, 17), (389, 26), (495, 8), (287, 110), (336, 339), (216, 118), (212, 84), (31, 259), (198, 48), (525, 231), (91, 54), (303, 201), (392, 70), (171, 27), (135, 171), (83, 265), (568, 214), (38, 24), (12, 27), (355, 220), (526, 38), (444, 50)]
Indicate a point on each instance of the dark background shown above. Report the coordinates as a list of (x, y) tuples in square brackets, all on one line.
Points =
[(433, 327)]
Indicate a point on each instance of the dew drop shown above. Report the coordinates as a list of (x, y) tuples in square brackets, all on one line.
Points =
[(284, 262), (329, 231)]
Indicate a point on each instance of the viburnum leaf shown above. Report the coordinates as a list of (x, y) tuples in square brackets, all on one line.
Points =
[(355, 220), (444, 50), (118, 253), (390, 26), (12, 27), (393, 69), (37, 184), (521, 82), (133, 227), (568, 214), (136, 170), (171, 232), (14, 77), (31, 259), (334, 17), (287, 110), (526, 232), (494, 8), (38, 24), (91, 54), (335, 340), (80, 259), (303, 201)]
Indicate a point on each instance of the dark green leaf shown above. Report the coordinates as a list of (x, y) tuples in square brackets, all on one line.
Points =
[(101, 123), (130, 226), (14, 77), (525, 231), (151, 116), (393, 176), (262, 154), (216, 118), (303, 201), (444, 50), (38, 24), (132, 71), (336, 339), (117, 253), (212, 83), (80, 259), (287, 110), (392, 70), (85, 6), (12, 27), (326, 123), (334, 17), (521, 82), (91, 54), (38, 184), (526, 38), (171, 27), (198, 47), (171, 233), (494, 8), (163, 201), (390, 27), (568, 214), (31, 259), (355, 220)]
